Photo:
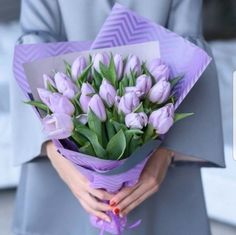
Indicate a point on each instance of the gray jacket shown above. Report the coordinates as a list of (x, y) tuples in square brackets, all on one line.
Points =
[(60, 20)]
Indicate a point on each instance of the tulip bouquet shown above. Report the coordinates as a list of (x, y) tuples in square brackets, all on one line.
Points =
[(108, 111), (110, 105)]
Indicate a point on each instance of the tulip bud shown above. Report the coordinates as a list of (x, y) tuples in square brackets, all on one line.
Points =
[(160, 92), (133, 64), (56, 102), (118, 61), (78, 67), (107, 92), (159, 70), (128, 103), (48, 80), (136, 120), (144, 84), (65, 85), (162, 119), (58, 126), (100, 57), (97, 106), (87, 92)]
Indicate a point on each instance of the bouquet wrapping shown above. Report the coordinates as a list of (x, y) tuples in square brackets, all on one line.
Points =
[(107, 104)]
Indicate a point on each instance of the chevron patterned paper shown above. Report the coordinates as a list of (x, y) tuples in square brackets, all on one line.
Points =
[(124, 27)]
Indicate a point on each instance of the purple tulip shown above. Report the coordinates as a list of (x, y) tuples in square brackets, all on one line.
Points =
[(128, 102), (78, 67), (133, 64), (143, 84), (158, 69), (107, 92), (48, 80), (56, 102), (160, 92), (100, 57), (58, 126), (65, 85), (162, 119), (87, 91), (134, 89), (136, 120), (97, 106), (118, 61)]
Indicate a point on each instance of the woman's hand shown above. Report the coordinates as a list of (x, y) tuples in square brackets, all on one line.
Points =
[(89, 198), (150, 180)]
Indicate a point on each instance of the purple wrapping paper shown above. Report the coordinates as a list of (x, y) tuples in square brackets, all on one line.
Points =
[(122, 27)]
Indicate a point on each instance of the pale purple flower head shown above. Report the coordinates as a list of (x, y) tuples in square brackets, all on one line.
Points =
[(118, 61), (136, 120), (58, 126), (104, 58), (159, 69), (128, 102), (97, 106), (65, 85), (48, 80), (144, 84), (160, 92), (107, 92), (78, 67), (162, 119), (56, 102), (130, 89), (133, 64), (87, 91)]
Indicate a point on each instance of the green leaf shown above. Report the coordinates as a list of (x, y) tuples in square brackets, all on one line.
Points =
[(87, 149), (180, 116), (135, 142), (109, 130), (149, 132), (51, 88), (95, 125), (92, 138), (84, 75), (116, 146), (134, 131), (118, 126), (174, 81), (97, 80), (79, 139), (68, 68), (139, 108), (109, 72), (38, 104)]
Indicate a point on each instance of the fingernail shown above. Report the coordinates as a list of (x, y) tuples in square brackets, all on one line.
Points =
[(112, 203), (116, 211)]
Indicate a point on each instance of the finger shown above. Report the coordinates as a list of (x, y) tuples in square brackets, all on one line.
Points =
[(123, 193), (101, 194), (94, 203), (137, 202), (138, 192), (99, 214)]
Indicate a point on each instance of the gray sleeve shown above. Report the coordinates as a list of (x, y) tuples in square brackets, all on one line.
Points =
[(40, 21), (201, 135)]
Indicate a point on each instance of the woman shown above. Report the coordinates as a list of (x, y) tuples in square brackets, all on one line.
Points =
[(47, 205)]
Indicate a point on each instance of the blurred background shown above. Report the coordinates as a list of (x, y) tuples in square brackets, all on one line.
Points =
[(219, 26)]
